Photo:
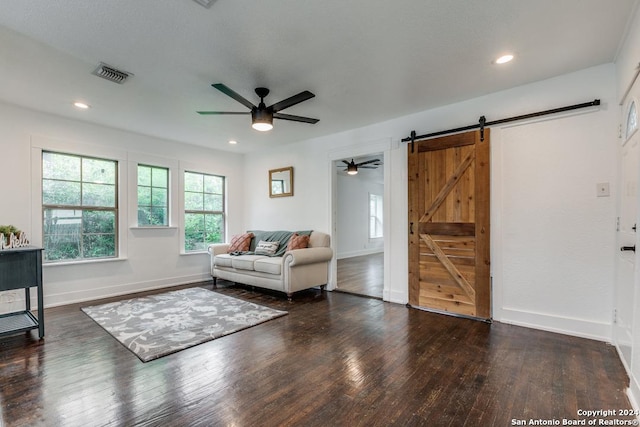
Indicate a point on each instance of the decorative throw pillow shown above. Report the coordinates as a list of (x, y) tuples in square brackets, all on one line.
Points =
[(266, 248), (298, 242), (240, 243)]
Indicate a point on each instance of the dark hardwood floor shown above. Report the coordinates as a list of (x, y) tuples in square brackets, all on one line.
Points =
[(335, 360), (362, 275)]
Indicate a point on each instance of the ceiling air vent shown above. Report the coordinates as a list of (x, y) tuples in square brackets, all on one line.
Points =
[(205, 3), (110, 73)]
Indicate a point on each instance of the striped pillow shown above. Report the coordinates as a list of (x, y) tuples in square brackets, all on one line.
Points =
[(266, 248)]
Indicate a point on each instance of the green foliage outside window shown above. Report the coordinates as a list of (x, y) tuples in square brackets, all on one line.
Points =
[(204, 210), (79, 205), (153, 196)]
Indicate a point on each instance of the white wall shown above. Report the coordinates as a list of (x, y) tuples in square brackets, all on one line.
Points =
[(153, 257), (554, 235), (352, 215), (587, 156)]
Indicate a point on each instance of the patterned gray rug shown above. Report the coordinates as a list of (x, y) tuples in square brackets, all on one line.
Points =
[(157, 325)]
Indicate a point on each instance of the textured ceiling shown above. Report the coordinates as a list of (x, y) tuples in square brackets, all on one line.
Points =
[(366, 60)]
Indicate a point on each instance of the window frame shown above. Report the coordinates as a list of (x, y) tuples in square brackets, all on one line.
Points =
[(628, 133), (186, 211), (167, 199), (81, 207), (379, 201)]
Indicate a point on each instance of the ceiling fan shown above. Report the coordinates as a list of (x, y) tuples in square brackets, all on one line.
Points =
[(352, 167), (262, 116)]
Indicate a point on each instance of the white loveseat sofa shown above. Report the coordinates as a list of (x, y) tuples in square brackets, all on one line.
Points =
[(289, 272)]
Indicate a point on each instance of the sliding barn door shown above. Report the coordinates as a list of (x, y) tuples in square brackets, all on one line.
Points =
[(449, 225)]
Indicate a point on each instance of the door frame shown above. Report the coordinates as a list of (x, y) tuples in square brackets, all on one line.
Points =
[(624, 140)]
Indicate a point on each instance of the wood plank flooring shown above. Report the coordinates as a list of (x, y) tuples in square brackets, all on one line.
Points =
[(335, 360), (362, 275)]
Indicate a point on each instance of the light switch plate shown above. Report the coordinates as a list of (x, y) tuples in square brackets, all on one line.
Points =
[(602, 189)]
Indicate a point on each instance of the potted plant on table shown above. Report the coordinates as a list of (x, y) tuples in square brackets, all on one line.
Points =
[(11, 237)]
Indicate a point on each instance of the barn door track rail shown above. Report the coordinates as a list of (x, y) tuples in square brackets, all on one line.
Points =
[(482, 122)]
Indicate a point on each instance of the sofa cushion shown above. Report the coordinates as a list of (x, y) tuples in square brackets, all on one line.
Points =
[(240, 243), (244, 262), (271, 265), (222, 260), (298, 241)]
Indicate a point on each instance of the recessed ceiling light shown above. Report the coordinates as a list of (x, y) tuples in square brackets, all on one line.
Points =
[(81, 105), (233, 142), (504, 59)]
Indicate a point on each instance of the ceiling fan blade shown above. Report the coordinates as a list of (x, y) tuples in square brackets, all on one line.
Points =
[(206, 113), (367, 167), (229, 92), (368, 161), (295, 118), (295, 99), (345, 162)]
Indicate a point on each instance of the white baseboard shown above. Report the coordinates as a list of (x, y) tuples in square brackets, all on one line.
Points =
[(632, 394), (394, 296), (634, 388), (65, 298), (362, 252), (562, 325)]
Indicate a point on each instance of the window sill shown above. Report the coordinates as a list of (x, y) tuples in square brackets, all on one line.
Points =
[(194, 253), (82, 262), (154, 227)]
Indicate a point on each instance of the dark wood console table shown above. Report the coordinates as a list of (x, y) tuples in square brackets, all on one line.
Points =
[(21, 268)]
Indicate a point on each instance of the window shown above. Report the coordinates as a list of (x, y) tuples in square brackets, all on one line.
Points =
[(153, 196), (375, 216), (203, 210), (277, 186), (632, 120), (79, 207)]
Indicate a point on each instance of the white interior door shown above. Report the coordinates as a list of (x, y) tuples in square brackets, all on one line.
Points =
[(627, 238)]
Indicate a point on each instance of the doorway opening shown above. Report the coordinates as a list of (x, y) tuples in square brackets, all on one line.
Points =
[(359, 220)]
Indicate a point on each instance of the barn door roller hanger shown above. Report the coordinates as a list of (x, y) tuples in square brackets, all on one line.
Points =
[(482, 122)]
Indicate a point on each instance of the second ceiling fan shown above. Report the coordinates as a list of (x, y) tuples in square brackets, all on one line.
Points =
[(352, 167), (261, 115)]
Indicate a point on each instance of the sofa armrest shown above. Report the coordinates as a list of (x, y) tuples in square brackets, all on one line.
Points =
[(307, 256), (218, 248)]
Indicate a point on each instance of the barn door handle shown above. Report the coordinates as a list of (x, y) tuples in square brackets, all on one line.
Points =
[(628, 248), (411, 228)]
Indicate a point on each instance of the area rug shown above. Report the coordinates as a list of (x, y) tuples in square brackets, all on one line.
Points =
[(158, 325)]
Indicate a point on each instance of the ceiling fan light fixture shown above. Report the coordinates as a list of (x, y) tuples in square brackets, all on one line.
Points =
[(261, 115), (262, 127), (352, 166), (261, 120)]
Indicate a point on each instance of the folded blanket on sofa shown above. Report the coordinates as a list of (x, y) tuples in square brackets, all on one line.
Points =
[(281, 236)]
